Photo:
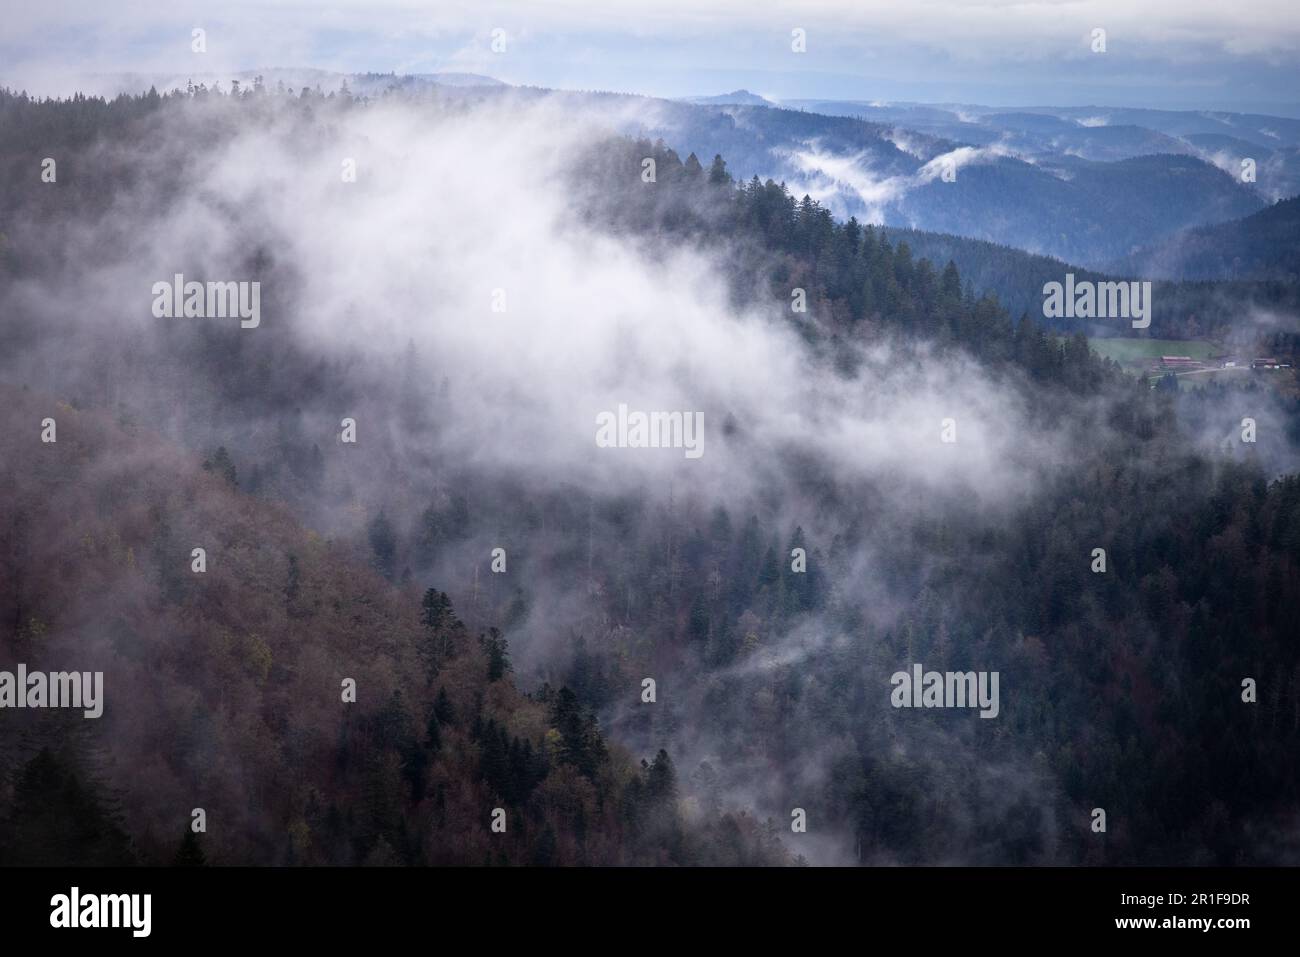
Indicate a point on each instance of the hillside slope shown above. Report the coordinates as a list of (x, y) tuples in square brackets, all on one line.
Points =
[(1262, 246), (224, 690)]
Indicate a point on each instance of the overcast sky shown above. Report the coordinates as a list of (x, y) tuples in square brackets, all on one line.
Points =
[(1162, 53)]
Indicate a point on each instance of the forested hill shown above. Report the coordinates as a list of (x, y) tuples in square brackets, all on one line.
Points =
[(841, 263), (1231, 251), (1217, 305), (1122, 689), (1262, 246), (1076, 209), (226, 690)]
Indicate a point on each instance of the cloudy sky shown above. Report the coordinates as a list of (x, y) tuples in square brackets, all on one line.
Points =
[(1160, 53)]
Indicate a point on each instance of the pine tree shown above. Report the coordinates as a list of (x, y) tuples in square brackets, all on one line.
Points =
[(443, 710), (59, 818), (383, 542), (661, 778), (190, 853), (498, 656), (222, 465), (718, 175)]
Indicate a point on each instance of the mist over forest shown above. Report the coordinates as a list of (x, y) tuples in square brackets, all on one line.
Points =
[(916, 467)]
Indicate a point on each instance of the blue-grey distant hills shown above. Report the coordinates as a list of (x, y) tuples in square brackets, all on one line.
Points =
[(1103, 133), (1088, 185), (1081, 210), (734, 98)]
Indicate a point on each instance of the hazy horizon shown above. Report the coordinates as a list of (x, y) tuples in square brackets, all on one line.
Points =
[(1182, 56)]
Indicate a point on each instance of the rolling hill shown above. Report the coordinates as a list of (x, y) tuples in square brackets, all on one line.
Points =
[(1263, 246), (226, 689)]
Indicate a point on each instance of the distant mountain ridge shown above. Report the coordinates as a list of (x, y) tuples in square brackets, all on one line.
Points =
[(328, 81), (1087, 185), (1088, 212), (734, 98)]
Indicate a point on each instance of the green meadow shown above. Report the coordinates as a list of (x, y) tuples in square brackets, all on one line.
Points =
[(1133, 350)]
